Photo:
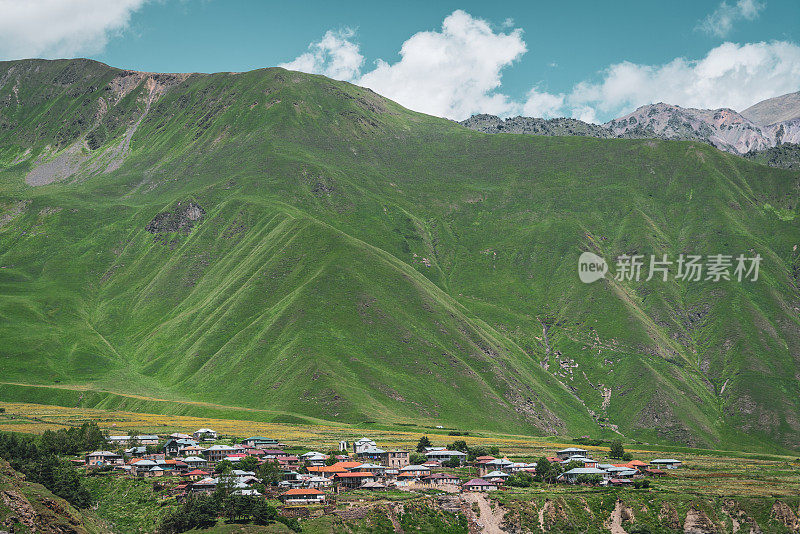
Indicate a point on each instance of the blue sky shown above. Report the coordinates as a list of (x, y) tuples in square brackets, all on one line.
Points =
[(572, 58)]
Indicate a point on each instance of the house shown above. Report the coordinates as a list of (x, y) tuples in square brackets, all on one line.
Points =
[(666, 463), (215, 453), (416, 470), (302, 496), (441, 479), (100, 458), (377, 469), (205, 485), (362, 444), (637, 464), (342, 446), (353, 479), (404, 479), (484, 459), (204, 434), (571, 476), (118, 440), (142, 468), (195, 462), (372, 453), (288, 462), (146, 439), (497, 464), (372, 486), (516, 467), (136, 452), (317, 482), (273, 454), (621, 471), (479, 484), (396, 459), (432, 464), (563, 454), (155, 471), (314, 459), (178, 435), (197, 474), (261, 443), (444, 455), (326, 471), (498, 477), (173, 445), (587, 462), (178, 466), (191, 451)]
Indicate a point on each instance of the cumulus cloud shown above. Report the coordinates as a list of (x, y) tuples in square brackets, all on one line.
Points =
[(543, 104), (55, 28), (334, 56), (452, 73), (730, 75), (457, 71), (721, 21)]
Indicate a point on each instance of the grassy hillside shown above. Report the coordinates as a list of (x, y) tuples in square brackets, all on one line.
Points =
[(281, 241)]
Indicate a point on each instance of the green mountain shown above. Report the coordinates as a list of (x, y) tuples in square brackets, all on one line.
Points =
[(283, 242)]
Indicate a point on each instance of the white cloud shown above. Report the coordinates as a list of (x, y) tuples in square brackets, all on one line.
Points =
[(541, 104), (58, 28), (730, 75), (451, 73), (721, 21), (334, 56), (457, 72)]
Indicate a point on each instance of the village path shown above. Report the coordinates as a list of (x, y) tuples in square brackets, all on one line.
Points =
[(489, 520)]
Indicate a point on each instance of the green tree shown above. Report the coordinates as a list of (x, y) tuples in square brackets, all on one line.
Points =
[(494, 450), (248, 463), (417, 458), (593, 480), (547, 471), (224, 466), (331, 459), (263, 513), (423, 442), (522, 479), (458, 445), (452, 463), (617, 450), (269, 472), (474, 452)]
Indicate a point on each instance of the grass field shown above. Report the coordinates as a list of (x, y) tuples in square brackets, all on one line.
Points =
[(304, 250)]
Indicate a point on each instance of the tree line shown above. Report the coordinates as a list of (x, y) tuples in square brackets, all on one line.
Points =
[(38, 459)]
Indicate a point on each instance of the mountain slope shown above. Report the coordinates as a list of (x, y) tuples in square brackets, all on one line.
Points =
[(774, 110), (285, 242)]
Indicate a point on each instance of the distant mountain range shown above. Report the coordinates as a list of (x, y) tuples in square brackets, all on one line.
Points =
[(765, 125)]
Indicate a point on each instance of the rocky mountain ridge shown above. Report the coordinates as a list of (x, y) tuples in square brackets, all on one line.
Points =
[(753, 130)]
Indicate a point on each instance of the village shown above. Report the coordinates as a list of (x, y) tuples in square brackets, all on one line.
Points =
[(204, 461)]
